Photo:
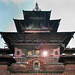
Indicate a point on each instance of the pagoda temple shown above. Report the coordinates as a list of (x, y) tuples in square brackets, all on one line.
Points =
[(37, 46)]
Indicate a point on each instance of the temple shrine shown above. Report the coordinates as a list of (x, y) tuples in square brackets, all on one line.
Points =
[(37, 47)]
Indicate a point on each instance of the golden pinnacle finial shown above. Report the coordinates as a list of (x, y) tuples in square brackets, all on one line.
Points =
[(36, 8)]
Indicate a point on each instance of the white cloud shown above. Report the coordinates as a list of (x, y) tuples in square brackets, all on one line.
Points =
[(18, 2), (6, 1)]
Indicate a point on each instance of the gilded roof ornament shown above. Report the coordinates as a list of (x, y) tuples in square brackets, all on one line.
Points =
[(36, 7)]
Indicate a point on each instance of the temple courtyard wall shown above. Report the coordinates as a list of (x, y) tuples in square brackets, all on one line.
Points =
[(69, 70)]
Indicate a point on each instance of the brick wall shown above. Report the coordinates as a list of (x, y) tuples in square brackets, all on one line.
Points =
[(70, 67), (20, 68), (66, 73), (69, 70), (36, 74), (3, 69)]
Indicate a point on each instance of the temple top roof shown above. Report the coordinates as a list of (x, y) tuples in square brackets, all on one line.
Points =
[(36, 20), (36, 15)]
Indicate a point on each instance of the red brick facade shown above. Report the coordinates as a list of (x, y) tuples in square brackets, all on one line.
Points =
[(69, 69)]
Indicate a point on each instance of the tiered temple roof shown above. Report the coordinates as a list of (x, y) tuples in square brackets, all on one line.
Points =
[(37, 21), (5, 57), (36, 28), (51, 25), (5, 51), (30, 38), (68, 56)]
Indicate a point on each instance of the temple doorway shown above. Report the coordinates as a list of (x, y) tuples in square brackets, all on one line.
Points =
[(36, 65)]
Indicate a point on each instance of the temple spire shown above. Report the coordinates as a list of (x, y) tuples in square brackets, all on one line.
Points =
[(36, 7)]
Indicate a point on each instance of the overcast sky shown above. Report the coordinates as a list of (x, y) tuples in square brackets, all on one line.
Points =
[(61, 9)]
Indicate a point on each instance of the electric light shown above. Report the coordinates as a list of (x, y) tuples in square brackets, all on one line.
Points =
[(45, 53)]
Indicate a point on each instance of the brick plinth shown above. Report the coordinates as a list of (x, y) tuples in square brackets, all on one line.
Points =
[(66, 73), (36, 74), (20, 68), (53, 68), (70, 67), (3, 69)]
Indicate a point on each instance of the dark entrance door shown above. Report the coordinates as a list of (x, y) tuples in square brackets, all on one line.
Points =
[(36, 66)]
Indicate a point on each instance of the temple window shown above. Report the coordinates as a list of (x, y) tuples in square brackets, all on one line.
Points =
[(56, 52), (29, 53), (37, 52), (18, 52)]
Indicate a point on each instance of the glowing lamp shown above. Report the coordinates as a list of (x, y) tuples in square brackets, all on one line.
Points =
[(45, 53)]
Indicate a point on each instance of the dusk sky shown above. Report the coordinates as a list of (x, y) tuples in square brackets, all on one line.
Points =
[(61, 9)]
